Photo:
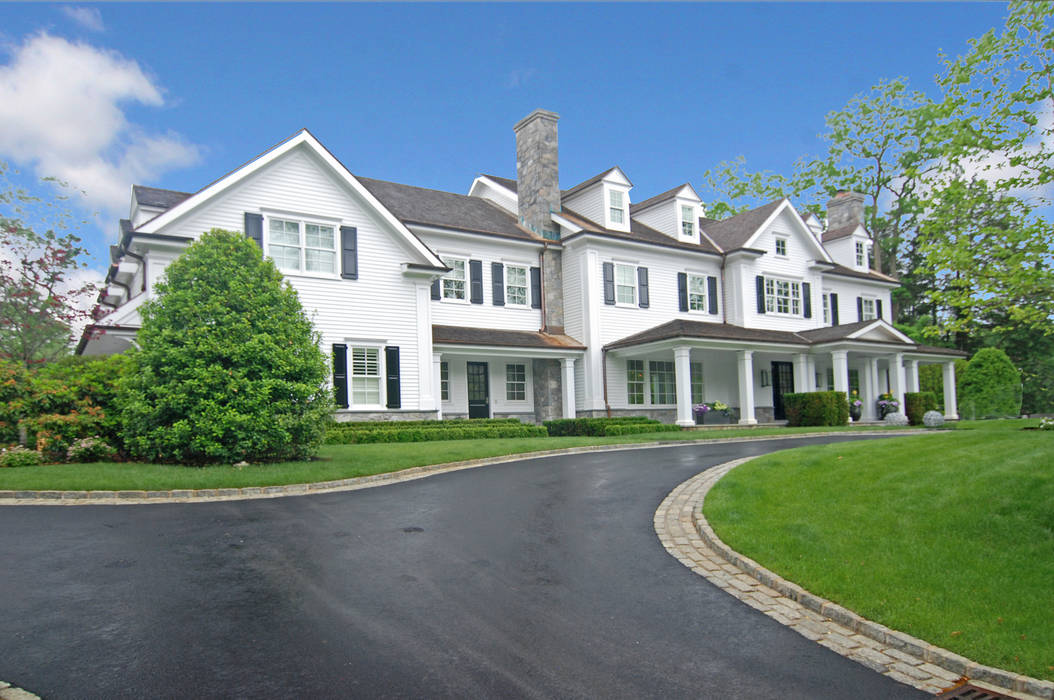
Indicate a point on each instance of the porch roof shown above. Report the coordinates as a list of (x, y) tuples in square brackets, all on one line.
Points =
[(462, 335)]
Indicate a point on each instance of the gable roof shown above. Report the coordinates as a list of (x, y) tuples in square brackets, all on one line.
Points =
[(417, 205), (503, 181), (639, 233), (734, 232), (660, 198), (840, 232), (156, 197), (872, 275), (591, 181)]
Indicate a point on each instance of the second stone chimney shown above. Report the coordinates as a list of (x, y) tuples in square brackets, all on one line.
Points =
[(845, 208), (537, 172)]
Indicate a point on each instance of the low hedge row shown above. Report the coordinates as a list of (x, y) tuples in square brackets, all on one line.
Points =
[(816, 408), (420, 434), (636, 428), (395, 425), (563, 427), (917, 403)]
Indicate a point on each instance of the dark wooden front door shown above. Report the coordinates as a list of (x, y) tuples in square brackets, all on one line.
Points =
[(782, 383), (478, 390)]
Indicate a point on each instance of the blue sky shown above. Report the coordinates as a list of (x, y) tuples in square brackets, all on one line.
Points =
[(175, 95)]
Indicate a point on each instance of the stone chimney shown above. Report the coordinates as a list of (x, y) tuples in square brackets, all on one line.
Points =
[(537, 172), (845, 208)]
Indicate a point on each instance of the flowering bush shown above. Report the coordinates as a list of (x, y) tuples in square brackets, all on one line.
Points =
[(932, 419), (1046, 423), (887, 404), (895, 419), (19, 456), (704, 408), (90, 449)]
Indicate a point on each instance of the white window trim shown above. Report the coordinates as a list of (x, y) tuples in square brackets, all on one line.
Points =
[(786, 246), (468, 280), (775, 297), (382, 374), (302, 220), (825, 306), (449, 395), (643, 381), (527, 284), (691, 221), (609, 208), (706, 294), (526, 381), (647, 382), (636, 282), (864, 301)]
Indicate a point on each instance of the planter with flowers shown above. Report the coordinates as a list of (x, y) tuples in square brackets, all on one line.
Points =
[(886, 405), (856, 406), (712, 413)]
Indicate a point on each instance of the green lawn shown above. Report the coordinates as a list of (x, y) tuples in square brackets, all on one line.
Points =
[(948, 536), (336, 462)]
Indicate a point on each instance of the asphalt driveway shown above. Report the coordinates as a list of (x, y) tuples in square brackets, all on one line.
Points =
[(538, 578)]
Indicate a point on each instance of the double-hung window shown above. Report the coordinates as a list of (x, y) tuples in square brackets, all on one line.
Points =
[(516, 382), (695, 370), (625, 284), (861, 255), (867, 309), (782, 297), (516, 285), (454, 281), (696, 293), (663, 384), (687, 221), (365, 376), (635, 382), (444, 381), (826, 308), (781, 247), (617, 207), (302, 246)]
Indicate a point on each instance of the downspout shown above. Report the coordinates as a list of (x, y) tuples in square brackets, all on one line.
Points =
[(604, 371)]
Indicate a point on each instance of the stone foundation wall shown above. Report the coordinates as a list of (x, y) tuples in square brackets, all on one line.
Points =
[(664, 415), (382, 416)]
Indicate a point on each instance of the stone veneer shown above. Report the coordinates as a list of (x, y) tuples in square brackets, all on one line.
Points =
[(537, 171), (548, 389)]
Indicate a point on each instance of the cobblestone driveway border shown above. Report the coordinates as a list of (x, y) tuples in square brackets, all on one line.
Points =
[(685, 533), (84, 498)]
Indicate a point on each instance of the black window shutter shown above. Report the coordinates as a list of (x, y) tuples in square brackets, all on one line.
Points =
[(806, 298), (340, 375), (391, 368), (711, 293), (761, 293), (475, 274), (435, 289), (878, 307), (497, 283), (536, 287), (609, 284), (254, 228), (682, 291), (349, 253), (642, 287), (859, 308), (834, 309)]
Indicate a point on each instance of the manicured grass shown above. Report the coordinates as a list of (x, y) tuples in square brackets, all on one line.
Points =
[(336, 462), (947, 536)]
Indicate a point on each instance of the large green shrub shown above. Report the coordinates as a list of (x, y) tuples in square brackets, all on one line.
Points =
[(990, 386), (931, 378), (562, 427), (421, 433), (917, 403), (230, 367), (816, 408)]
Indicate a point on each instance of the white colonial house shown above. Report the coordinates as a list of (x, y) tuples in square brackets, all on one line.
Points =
[(521, 299)]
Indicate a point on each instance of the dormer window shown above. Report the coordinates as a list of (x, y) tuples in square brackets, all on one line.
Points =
[(781, 247), (617, 210), (687, 221), (861, 255)]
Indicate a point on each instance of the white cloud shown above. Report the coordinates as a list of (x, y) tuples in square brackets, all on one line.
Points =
[(88, 17), (61, 113), (519, 77)]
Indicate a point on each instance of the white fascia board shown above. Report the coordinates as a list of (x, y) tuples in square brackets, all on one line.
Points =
[(809, 235), (867, 347), (862, 280), (474, 236), (504, 351), (600, 238), (708, 344), (883, 325), (564, 223), (305, 139), (616, 176), (490, 183)]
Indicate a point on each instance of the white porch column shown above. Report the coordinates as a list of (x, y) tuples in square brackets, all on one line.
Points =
[(913, 375), (896, 378), (951, 408), (869, 390), (437, 378), (746, 388), (683, 375), (802, 380), (810, 373), (840, 360), (568, 366)]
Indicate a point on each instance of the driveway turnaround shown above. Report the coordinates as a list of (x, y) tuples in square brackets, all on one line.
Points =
[(537, 578)]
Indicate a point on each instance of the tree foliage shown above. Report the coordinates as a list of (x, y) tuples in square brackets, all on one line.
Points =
[(990, 385), (229, 367)]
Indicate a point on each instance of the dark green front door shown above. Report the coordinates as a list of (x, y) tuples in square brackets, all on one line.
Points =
[(782, 383), (478, 390)]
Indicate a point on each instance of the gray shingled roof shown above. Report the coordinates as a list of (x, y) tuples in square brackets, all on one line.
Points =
[(734, 232), (652, 201), (155, 197), (869, 275), (503, 181), (638, 232), (701, 329), (417, 205), (587, 183), (461, 335), (829, 333), (840, 232)]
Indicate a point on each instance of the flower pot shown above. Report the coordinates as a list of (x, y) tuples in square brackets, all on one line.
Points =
[(716, 418), (854, 413)]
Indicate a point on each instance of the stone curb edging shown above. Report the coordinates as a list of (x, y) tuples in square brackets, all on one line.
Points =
[(685, 533), (10, 692), (69, 498)]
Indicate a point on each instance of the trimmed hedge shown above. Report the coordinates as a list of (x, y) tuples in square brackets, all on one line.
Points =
[(917, 403), (640, 427), (574, 427), (423, 434), (817, 408), (990, 386), (399, 424)]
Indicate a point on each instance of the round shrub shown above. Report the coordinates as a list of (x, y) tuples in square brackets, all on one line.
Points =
[(19, 456), (895, 418), (990, 386), (90, 449), (229, 367), (932, 419)]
